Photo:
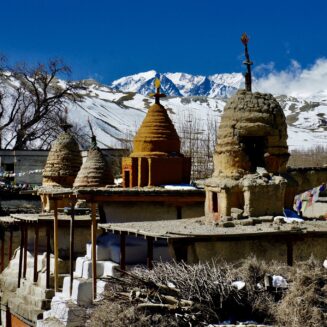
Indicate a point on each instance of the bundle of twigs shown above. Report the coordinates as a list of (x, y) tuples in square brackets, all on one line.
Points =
[(179, 294)]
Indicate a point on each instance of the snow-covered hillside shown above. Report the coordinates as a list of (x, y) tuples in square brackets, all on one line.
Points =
[(195, 104), (181, 84), (117, 115)]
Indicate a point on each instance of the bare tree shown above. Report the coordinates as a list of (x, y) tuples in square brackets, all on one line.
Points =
[(198, 140), (32, 101)]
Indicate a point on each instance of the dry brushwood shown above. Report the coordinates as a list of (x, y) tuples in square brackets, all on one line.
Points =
[(178, 294), (306, 299)]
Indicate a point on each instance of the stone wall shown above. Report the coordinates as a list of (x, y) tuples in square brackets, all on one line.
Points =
[(268, 248), (118, 212), (24, 162)]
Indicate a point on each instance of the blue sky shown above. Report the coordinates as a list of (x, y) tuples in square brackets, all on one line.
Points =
[(109, 39)]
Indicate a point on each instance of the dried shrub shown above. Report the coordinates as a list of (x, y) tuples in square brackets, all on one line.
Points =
[(207, 283), (117, 314), (305, 303), (315, 157), (208, 286)]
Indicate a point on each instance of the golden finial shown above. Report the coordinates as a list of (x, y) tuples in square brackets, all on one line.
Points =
[(157, 95), (157, 83), (245, 39)]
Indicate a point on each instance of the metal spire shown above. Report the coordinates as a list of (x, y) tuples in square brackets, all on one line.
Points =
[(64, 124), (157, 95), (248, 63), (93, 137)]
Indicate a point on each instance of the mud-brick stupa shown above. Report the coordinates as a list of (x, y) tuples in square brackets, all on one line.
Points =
[(64, 161), (95, 170), (251, 155), (156, 158), (62, 166)]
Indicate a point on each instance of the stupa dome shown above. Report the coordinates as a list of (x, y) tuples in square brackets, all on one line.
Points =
[(157, 136), (63, 163), (95, 171), (252, 133)]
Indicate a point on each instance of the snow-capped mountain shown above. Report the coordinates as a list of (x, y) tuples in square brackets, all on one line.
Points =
[(181, 84), (117, 115), (195, 104)]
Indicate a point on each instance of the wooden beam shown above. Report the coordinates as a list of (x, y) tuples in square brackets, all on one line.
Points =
[(10, 244), (3, 252), (55, 245), (171, 199), (36, 251), (48, 249), (149, 257), (94, 260), (20, 263), (122, 260), (71, 241), (25, 249), (289, 245)]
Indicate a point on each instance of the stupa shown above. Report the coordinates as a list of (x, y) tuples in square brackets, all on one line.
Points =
[(95, 171), (64, 161), (251, 155), (156, 158)]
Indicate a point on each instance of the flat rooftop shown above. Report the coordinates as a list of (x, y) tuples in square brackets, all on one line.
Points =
[(202, 228)]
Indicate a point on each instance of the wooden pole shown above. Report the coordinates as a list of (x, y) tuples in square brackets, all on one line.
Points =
[(25, 250), (10, 245), (289, 245), (55, 245), (123, 251), (150, 253), (36, 250), (72, 239), (3, 252), (47, 277), (20, 264), (94, 261)]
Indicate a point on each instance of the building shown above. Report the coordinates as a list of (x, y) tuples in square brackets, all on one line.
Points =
[(156, 158)]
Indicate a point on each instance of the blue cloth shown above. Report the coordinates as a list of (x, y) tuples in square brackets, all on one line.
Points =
[(290, 213)]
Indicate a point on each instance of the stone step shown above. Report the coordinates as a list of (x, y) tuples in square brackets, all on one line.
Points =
[(49, 322), (38, 303), (104, 268), (27, 311), (65, 311), (42, 280)]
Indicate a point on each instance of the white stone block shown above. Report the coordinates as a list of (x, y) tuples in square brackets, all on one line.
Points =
[(109, 268), (100, 288), (46, 314), (82, 292), (65, 312), (87, 269), (3, 318), (79, 266), (102, 252), (66, 288)]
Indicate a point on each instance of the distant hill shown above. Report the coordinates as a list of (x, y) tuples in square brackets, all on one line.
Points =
[(181, 84), (195, 104)]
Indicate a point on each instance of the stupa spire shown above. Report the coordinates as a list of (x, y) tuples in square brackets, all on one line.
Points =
[(94, 144), (157, 95), (64, 124), (247, 62)]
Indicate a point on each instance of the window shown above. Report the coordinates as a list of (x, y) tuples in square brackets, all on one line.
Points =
[(127, 178), (214, 202), (254, 148)]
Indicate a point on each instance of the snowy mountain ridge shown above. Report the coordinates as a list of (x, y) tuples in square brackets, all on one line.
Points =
[(181, 84), (194, 108), (117, 115)]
